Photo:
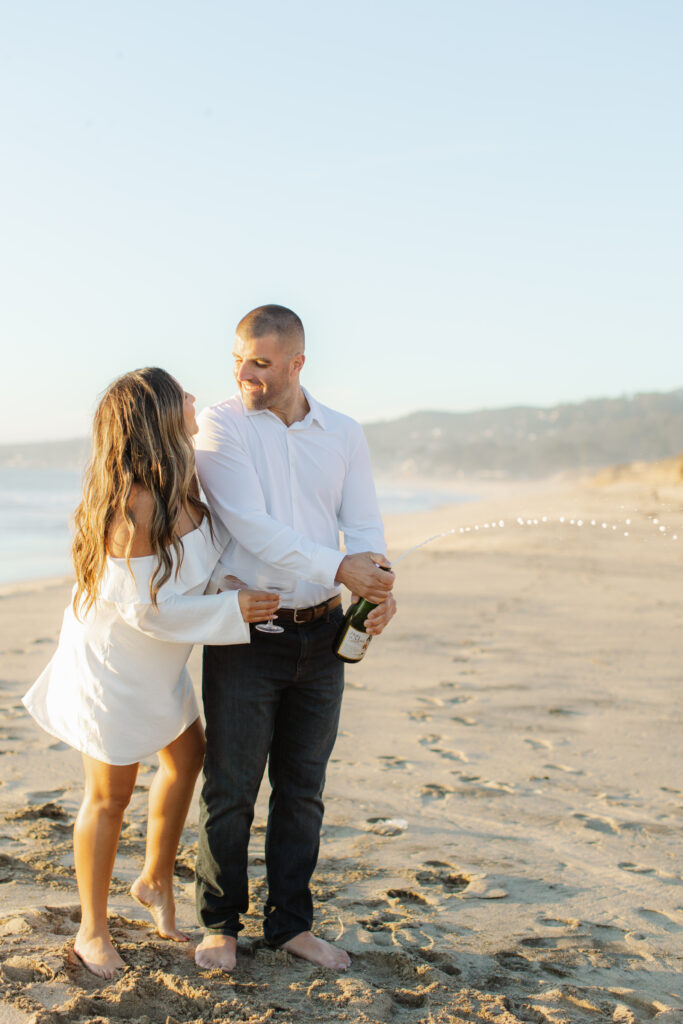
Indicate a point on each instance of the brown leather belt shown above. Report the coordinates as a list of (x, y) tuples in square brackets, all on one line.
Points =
[(302, 615)]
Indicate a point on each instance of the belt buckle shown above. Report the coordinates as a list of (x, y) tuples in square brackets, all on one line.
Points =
[(298, 621)]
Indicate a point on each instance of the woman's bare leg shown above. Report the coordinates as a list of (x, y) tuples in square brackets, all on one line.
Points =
[(169, 800), (108, 790)]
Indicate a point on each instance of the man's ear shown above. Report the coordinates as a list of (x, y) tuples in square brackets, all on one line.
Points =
[(298, 362)]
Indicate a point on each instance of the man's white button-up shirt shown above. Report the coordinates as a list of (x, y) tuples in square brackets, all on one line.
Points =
[(284, 493)]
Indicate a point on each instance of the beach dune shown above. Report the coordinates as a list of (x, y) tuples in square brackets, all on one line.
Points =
[(502, 838)]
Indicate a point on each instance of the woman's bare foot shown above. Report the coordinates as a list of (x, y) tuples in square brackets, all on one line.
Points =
[(217, 952), (308, 947), (161, 906), (97, 955)]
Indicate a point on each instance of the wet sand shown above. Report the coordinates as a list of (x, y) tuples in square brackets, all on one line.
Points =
[(503, 826)]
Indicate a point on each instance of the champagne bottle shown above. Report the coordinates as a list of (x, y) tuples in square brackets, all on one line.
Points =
[(351, 641)]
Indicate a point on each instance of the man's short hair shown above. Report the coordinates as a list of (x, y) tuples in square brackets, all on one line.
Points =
[(273, 319)]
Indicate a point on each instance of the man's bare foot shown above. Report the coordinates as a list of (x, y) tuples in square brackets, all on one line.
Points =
[(161, 906), (307, 946), (97, 955), (216, 952)]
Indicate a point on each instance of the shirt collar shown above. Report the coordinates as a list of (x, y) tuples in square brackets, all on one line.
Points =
[(315, 413)]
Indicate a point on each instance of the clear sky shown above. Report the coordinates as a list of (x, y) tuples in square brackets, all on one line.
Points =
[(470, 204)]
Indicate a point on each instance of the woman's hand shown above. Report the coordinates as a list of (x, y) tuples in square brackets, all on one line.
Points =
[(257, 605)]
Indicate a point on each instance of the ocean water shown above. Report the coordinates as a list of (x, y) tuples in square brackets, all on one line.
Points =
[(36, 505), (395, 498)]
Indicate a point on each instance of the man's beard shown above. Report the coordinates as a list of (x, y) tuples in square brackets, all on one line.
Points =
[(255, 400)]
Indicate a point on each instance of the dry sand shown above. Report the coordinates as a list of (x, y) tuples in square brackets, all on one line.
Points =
[(502, 839)]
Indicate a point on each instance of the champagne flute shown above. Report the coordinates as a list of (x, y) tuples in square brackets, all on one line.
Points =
[(270, 579), (270, 626)]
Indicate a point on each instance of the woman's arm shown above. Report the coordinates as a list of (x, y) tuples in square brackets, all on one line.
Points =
[(203, 618)]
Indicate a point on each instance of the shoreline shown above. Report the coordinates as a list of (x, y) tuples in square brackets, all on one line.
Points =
[(31, 586), (477, 492)]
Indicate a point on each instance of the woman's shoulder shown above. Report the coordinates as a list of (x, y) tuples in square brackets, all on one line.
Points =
[(142, 507)]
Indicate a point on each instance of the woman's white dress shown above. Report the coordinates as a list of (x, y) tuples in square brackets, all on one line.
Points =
[(117, 688)]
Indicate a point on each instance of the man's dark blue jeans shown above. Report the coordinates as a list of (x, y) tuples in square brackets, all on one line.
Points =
[(277, 699)]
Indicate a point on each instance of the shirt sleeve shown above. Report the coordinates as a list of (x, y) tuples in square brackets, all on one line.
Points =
[(185, 619), (227, 473), (359, 515)]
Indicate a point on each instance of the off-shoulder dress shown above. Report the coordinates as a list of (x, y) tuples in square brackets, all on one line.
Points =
[(117, 688)]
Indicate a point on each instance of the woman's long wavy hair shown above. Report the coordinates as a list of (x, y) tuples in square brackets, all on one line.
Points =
[(139, 437)]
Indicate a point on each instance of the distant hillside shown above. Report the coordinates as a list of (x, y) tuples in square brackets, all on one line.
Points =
[(71, 454), (523, 442), (529, 442)]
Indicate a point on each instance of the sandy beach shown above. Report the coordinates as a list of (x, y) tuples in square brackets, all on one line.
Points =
[(504, 806)]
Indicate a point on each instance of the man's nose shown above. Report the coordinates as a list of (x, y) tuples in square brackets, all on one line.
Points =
[(242, 373)]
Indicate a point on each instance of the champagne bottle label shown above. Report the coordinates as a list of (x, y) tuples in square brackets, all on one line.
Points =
[(353, 644)]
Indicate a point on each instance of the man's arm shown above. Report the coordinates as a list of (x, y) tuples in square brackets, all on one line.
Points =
[(361, 522), (235, 495)]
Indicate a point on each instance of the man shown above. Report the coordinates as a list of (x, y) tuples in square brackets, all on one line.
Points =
[(284, 474)]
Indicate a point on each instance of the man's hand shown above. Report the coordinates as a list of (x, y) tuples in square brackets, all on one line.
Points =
[(359, 573), (379, 617)]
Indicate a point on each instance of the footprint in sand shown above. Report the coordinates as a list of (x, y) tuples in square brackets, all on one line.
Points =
[(387, 826), (564, 768), (404, 983), (49, 810), (406, 896), (560, 922), (12, 869), (485, 789), (585, 942), (605, 825), (446, 753), (433, 701), (39, 796), (660, 919), (380, 922), (444, 875), (434, 791), (450, 755), (638, 869), (539, 744), (441, 961), (573, 945), (391, 762), (432, 737)]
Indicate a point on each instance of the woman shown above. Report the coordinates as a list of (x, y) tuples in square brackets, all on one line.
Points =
[(117, 688)]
